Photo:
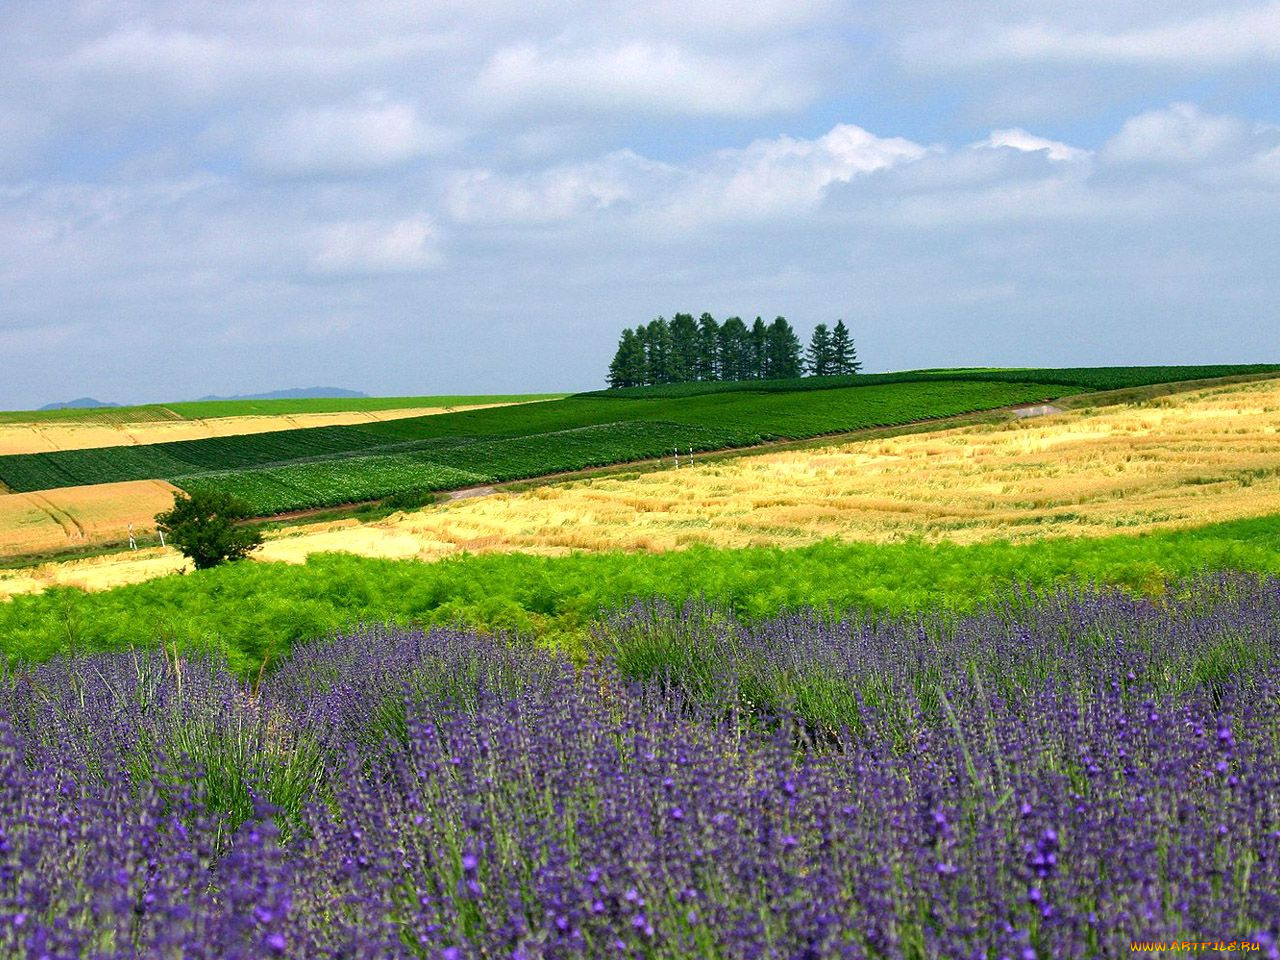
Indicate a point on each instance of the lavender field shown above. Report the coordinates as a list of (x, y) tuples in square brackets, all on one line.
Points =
[(1056, 776)]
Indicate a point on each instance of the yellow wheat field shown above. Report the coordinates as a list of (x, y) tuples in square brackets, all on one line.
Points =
[(44, 437), (1182, 460), (72, 516), (1188, 459)]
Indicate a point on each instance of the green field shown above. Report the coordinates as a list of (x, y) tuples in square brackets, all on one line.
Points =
[(348, 463), (256, 611), (1078, 378), (208, 409)]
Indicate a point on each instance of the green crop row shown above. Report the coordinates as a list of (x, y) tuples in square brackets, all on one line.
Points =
[(304, 485), (448, 464), (1085, 378)]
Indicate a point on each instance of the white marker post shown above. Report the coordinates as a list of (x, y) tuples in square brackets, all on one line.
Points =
[(161, 532), (691, 456), (677, 450)]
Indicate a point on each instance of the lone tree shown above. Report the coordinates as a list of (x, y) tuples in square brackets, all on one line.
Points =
[(204, 527)]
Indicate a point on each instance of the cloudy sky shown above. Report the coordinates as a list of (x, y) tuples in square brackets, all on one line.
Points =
[(222, 196)]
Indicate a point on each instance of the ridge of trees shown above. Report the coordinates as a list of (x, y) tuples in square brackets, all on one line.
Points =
[(683, 350)]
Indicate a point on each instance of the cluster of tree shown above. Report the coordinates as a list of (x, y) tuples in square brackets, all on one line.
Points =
[(683, 349)]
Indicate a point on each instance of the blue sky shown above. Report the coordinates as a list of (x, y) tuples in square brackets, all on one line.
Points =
[(445, 197)]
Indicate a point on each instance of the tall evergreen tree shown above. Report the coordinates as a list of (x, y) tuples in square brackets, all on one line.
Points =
[(844, 356), (734, 350), (707, 366), (782, 351), (642, 338), (615, 378), (684, 348), (628, 367), (758, 338), (658, 351), (818, 360)]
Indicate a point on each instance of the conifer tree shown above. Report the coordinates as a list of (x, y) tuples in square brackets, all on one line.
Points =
[(734, 350), (658, 351), (759, 342), (642, 338), (844, 356), (628, 367), (782, 351), (818, 360), (707, 366), (684, 348), (615, 378)]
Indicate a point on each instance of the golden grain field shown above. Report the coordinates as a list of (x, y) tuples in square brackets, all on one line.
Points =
[(1181, 460), (74, 516), (1188, 459)]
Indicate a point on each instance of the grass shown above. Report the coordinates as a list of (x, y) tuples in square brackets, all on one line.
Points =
[(254, 612), (739, 419)]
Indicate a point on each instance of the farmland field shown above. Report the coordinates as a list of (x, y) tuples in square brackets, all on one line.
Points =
[(536, 438), (1080, 378), (44, 436), (1194, 458), (50, 519), (217, 409), (1190, 459)]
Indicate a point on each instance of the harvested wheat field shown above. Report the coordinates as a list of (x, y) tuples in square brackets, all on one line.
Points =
[(45, 437), (1183, 460), (1188, 459), (75, 516)]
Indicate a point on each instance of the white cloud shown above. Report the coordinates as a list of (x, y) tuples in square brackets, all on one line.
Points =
[(788, 176), (558, 194), (348, 140), (1180, 134), (1246, 33), (644, 75), (1018, 139), (371, 246), (782, 176)]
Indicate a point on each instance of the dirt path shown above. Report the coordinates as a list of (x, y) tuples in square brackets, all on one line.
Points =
[(1039, 410), (470, 492)]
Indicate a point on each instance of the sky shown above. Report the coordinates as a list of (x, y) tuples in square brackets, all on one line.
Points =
[(408, 198)]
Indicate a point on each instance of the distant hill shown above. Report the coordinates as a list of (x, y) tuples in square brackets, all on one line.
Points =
[(298, 393), (80, 403)]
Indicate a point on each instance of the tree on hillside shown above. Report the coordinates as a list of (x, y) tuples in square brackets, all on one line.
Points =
[(818, 359), (844, 357), (658, 351), (782, 351), (206, 528), (734, 350), (684, 348), (758, 338), (628, 366), (708, 363)]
